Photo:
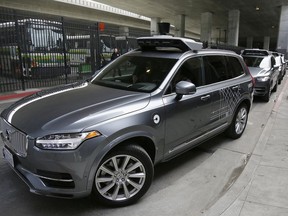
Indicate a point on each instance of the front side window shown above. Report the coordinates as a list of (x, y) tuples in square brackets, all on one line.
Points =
[(135, 73), (215, 69), (190, 71), (235, 68)]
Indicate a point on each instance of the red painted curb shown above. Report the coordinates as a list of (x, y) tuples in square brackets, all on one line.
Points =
[(16, 95)]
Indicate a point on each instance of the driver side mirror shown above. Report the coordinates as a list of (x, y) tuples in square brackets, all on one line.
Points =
[(184, 88)]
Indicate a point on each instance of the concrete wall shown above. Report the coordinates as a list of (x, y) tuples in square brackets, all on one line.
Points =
[(73, 11)]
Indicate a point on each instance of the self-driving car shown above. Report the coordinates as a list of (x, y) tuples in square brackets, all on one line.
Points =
[(104, 136)]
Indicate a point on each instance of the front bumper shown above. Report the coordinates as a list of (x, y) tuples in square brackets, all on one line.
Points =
[(261, 88), (65, 174)]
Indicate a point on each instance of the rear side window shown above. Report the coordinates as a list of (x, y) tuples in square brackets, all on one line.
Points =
[(234, 67)]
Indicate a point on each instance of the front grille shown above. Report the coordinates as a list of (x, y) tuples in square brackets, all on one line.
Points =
[(260, 90), (14, 139)]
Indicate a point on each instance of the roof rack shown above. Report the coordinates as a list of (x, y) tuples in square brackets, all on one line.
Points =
[(184, 44), (259, 52)]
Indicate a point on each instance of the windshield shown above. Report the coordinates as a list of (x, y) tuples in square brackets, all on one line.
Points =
[(135, 73), (256, 61)]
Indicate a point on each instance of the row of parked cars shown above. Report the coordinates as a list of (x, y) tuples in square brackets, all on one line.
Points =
[(104, 136), (268, 69)]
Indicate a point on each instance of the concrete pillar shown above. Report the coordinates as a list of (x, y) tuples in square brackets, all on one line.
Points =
[(282, 43), (154, 29), (124, 31), (250, 42), (121, 41), (206, 27), (180, 25), (266, 43), (233, 27)]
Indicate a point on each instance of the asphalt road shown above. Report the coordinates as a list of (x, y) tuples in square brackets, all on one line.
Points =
[(187, 185)]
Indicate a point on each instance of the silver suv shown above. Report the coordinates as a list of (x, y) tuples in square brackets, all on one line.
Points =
[(104, 136), (262, 65)]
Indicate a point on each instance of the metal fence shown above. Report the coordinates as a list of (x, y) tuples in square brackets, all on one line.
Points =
[(39, 50)]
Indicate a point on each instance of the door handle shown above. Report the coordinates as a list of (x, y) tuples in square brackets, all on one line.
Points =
[(205, 98)]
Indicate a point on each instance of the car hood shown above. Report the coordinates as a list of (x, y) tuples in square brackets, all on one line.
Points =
[(256, 71), (71, 108)]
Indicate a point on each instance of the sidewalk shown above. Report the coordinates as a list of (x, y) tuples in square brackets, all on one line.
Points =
[(262, 188), (17, 94)]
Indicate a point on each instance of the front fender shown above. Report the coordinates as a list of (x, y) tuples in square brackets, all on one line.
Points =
[(121, 137)]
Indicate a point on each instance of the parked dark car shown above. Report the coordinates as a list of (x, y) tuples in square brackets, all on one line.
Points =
[(105, 135), (262, 66)]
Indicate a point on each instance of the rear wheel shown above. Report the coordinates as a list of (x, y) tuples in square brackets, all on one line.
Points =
[(123, 176), (239, 122)]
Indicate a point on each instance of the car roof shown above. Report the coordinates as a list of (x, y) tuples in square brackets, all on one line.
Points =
[(172, 54)]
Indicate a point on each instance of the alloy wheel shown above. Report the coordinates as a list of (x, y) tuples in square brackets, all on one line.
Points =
[(241, 120), (120, 177)]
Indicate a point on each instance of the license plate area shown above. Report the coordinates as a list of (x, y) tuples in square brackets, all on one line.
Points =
[(8, 156)]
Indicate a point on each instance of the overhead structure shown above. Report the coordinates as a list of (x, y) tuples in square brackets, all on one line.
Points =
[(257, 18), (252, 25)]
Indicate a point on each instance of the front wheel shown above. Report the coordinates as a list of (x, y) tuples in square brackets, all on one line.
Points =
[(275, 87), (239, 122), (267, 96), (123, 176)]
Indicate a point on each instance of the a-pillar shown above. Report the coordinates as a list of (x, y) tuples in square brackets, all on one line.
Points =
[(282, 43), (154, 28), (206, 28), (233, 27), (250, 42), (266, 43), (180, 25)]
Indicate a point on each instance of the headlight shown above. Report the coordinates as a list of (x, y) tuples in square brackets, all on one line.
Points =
[(64, 141), (262, 79)]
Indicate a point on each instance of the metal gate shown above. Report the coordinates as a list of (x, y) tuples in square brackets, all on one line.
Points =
[(40, 51)]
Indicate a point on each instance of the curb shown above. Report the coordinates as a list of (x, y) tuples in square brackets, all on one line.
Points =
[(231, 203)]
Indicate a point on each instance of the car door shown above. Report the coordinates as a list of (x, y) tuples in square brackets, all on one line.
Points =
[(221, 72), (186, 117)]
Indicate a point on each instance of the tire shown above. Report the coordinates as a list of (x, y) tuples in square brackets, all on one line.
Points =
[(239, 122), (123, 176), (267, 96), (280, 80), (275, 87)]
